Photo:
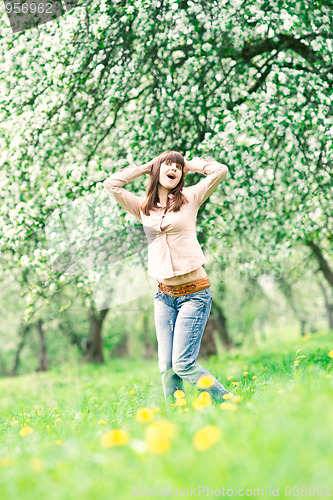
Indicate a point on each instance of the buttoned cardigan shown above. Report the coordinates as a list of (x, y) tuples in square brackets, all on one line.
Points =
[(173, 247)]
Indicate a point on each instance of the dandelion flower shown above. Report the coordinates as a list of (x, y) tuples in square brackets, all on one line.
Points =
[(204, 399), (227, 396), (331, 354), (245, 373), (205, 381), (237, 399), (103, 422), (235, 383), (158, 436), (25, 431), (115, 437), (145, 414), (132, 392), (254, 376), (37, 464), (229, 378), (207, 436), (58, 420), (180, 402), (228, 406), (179, 394), (58, 441), (7, 462)]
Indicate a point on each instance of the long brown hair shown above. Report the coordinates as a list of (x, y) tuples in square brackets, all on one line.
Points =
[(152, 190)]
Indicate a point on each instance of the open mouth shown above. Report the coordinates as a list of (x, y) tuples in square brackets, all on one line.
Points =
[(171, 176)]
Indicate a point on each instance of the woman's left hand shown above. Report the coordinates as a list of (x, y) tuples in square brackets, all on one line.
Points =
[(186, 168)]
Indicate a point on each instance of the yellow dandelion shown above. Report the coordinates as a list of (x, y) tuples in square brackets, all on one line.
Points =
[(103, 422), (207, 436), (328, 375), (205, 381), (37, 464), (158, 436), (245, 373), (254, 376), (58, 420), (296, 362), (145, 414), (228, 406), (279, 391), (237, 399), (26, 430), (55, 408), (204, 399), (331, 354), (180, 402), (186, 409), (7, 462), (235, 383), (115, 437), (28, 419), (47, 426), (227, 396), (58, 441), (132, 392), (230, 378), (179, 394)]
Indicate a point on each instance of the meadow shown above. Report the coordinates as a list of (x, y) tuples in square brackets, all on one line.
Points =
[(94, 432)]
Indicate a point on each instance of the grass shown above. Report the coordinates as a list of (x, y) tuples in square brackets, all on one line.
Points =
[(279, 435)]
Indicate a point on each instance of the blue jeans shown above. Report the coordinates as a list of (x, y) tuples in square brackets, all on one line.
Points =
[(180, 323)]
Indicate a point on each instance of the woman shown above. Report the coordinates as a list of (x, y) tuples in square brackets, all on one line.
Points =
[(183, 298)]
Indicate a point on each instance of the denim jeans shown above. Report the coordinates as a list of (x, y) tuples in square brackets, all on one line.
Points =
[(180, 323)]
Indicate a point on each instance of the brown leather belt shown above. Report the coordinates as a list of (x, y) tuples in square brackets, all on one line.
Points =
[(186, 288)]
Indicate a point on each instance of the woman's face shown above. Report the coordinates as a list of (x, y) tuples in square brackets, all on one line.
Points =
[(170, 174)]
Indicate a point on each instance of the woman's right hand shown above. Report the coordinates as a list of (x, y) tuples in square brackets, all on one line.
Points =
[(149, 165)]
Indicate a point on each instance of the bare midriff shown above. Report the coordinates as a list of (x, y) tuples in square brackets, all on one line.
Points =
[(181, 279)]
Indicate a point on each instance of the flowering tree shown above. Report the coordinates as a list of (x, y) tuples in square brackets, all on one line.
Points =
[(246, 84)]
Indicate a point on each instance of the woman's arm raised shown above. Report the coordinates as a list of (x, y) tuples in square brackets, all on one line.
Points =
[(114, 185), (214, 171)]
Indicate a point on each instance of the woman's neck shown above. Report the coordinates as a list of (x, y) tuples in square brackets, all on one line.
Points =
[(163, 195)]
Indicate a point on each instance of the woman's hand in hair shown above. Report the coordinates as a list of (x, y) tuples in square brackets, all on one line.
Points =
[(149, 165), (187, 167)]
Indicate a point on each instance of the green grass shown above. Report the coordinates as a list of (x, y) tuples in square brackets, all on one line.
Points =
[(273, 439)]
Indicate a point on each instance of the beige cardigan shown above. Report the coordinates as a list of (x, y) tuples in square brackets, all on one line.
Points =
[(173, 248)]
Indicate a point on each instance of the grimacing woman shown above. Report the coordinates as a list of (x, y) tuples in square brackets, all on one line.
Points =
[(182, 300)]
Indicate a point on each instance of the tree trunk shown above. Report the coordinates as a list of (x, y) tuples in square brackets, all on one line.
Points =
[(328, 306), (95, 344), (323, 264), (43, 361), (208, 344), (149, 348), (220, 325), (23, 334), (121, 350)]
